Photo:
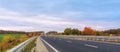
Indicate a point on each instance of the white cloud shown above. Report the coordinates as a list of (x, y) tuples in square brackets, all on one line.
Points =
[(38, 19), (42, 21), (17, 28)]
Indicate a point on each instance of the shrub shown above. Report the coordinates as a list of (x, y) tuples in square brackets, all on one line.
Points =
[(23, 38), (8, 39), (0, 46)]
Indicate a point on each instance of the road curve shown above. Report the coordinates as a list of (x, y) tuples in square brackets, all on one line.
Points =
[(69, 45)]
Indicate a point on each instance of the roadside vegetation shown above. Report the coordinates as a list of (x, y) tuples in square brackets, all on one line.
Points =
[(15, 35), (30, 47), (87, 31), (10, 40)]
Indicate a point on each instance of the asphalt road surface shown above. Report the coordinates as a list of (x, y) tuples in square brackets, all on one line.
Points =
[(69, 45)]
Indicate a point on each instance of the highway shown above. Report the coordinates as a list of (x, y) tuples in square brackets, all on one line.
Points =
[(69, 45)]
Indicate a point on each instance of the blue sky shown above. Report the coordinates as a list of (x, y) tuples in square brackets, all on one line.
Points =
[(50, 15)]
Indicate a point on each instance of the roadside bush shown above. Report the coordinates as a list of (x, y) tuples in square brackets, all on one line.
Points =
[(8, 39), (23, 38), (0, 46)]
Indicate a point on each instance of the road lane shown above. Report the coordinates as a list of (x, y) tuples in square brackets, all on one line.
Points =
[(69, 45), (50, 46)]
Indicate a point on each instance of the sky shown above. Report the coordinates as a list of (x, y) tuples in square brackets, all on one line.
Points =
[(56, 15)]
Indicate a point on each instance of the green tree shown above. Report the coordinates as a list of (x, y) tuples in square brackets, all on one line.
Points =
[(67, 31), (99, 33), (76, 32)]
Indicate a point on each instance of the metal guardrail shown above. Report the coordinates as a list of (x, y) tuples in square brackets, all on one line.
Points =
[(94, 38), (99, 38), (21, 46)]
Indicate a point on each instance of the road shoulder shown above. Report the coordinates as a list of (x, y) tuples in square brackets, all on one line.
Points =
[(40, 46)]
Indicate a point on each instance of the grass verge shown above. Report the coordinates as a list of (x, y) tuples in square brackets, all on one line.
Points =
[(30, 46)]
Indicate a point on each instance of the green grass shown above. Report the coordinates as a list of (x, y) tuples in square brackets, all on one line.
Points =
[(16, 35), (29, 47)]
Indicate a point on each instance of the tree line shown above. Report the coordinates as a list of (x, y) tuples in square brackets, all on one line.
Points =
[(87, 31), (115, 32), (71, 31), (92, 32), (74, 31), (11, 32)]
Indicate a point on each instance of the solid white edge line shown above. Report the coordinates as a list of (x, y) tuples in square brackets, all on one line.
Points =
[(49, 45)]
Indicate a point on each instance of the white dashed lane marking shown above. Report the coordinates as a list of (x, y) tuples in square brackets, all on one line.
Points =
[(69, 41), (93, 46), (59, 39)]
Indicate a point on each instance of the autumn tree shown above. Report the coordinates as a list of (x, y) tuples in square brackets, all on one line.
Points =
[(88, 31)]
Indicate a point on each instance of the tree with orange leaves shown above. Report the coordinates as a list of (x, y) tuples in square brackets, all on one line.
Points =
[(88, 31)]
